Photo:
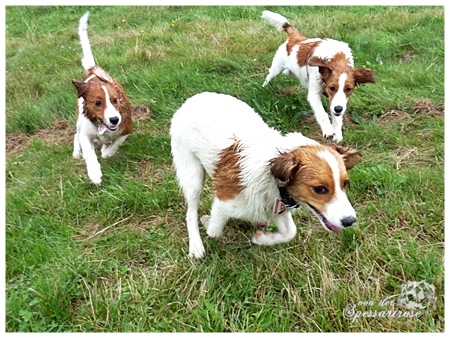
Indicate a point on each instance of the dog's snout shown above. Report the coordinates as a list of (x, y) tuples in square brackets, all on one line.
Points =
[(338, 110), (347, 221), (114, 120)]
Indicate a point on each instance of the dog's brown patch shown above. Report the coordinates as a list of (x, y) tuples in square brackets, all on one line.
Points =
[(305, 51), (126, 126), (349, 155), (294, 37), (227, 181)]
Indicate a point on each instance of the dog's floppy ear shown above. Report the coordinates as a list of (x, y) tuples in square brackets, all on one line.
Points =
[(81, 87), (363, 75), (101, 73), (349, 155), (324, 68), (284, 168)]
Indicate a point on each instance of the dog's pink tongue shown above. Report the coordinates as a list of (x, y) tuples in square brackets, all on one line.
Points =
[(333, 228), (101, 129)]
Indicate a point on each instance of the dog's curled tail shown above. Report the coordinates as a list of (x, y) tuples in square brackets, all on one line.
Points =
[(88, 58), (276, 20)]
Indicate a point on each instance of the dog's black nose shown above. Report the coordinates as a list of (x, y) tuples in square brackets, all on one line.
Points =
[(338, 110), (114, 120), (347, 221)]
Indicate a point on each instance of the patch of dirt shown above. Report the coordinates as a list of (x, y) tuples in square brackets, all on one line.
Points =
[(422, 107), (288, 92), (426, 107), (393, 115), (61, 132), (150, 223), (15, 142), (408, 57), (150, 173), (140, 113), (405, 155)]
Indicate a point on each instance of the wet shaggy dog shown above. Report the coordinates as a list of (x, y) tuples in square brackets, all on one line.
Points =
[(323, 66), (104, 112), (258, 174)]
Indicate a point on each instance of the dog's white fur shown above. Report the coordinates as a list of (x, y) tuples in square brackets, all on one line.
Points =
[(286, 61), (201, 129), (88, 133)]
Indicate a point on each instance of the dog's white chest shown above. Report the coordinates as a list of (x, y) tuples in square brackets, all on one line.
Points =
[(106, 137)]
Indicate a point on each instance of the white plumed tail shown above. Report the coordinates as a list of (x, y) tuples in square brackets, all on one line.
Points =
[(88, 58), (275, 19)]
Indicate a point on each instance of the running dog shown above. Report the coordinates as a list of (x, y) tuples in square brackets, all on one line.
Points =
[(104, 112), (258, 174), (323, 66)]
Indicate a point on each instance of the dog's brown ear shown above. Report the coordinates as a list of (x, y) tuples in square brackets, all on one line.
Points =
[(324, 68), (349, 155), (316, 61), (81, 87), (363, 75), (284, 168)]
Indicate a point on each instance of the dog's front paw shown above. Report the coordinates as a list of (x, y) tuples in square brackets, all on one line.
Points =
[(95, 175), (328, 132), (96, 179), (108, 150), (197, 251), (205, 220), (261, 238), (337, 137)]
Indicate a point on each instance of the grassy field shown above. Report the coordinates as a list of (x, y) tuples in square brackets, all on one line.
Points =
[(83, 258)]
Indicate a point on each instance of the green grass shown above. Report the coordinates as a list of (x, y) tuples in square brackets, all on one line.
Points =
[(82, 258)]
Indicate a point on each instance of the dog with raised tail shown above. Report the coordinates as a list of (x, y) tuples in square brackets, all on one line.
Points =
[(323, 66), (258, 174), (104, 111)]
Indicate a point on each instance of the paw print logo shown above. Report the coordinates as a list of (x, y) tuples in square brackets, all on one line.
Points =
[(417, 295)]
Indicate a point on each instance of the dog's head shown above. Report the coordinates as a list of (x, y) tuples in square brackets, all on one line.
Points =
[(316, 175), (102, 98), (340, 79)]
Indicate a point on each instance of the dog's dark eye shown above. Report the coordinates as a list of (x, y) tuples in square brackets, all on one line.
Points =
[(97, 103), (321, 190), (115, 100), (347, 90), (332, 89), (346, 184)]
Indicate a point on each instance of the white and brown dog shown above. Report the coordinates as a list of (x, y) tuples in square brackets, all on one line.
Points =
[(323, 66), (258, 174), (104, 112)]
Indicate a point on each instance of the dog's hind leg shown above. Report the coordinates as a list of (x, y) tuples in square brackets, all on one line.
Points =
[(215, 223), (190, 175), (278, 64)]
